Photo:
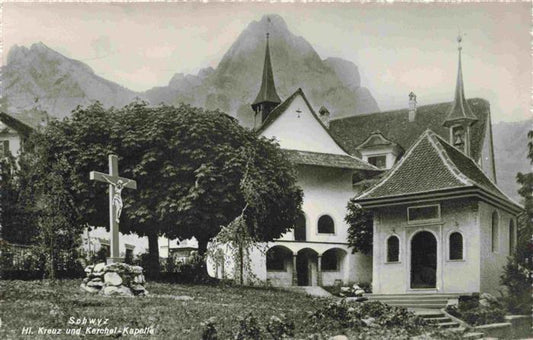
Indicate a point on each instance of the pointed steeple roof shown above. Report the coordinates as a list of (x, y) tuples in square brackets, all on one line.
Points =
[(460, 110), (267, 93)]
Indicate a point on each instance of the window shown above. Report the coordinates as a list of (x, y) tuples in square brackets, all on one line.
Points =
[(4, 148), (378, 161), (423, 213), (276, 259), (330, 262), (456, 246), (459, 137), (299, 229), (495, 232), (512, 239), (129, 256), (326, 225), (393, 249)]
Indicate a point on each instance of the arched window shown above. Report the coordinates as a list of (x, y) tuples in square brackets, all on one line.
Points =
[(330, 261), (495, 232), (456, 246), (277, 258), (512, 235), (393, 249), (299, 229), (326, 225)]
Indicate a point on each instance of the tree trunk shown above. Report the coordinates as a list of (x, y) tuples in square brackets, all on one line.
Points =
[(202, 250), (153, 256), (241, 264)]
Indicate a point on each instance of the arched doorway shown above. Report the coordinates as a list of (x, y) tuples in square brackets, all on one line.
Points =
[(424, 260), (306, 264)]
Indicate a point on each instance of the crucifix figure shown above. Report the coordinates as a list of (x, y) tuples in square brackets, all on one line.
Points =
[(116, 185)]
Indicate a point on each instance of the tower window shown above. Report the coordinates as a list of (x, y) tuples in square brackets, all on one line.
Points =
[(495, 232), (459, 136)]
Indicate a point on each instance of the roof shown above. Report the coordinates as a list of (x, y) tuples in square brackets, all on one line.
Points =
[(328, 160), (278, 111), (15, 124), (460, 110), (395, 126), (376, 139), (432, 165), (267, 93)]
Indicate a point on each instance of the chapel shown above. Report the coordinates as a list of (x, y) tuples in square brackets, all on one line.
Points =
[(427, 174)]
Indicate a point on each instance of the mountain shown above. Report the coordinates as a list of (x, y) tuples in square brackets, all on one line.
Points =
[(42, 79), (233, 85), (510, 154)]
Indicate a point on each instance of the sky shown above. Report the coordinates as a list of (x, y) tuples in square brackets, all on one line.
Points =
[(397, 47)]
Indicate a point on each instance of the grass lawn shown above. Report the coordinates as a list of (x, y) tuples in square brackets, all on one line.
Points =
[(34, 304)]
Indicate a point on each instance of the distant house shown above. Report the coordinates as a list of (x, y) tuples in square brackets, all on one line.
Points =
[(13, 135)]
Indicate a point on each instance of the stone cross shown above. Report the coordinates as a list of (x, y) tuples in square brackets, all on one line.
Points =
[(116, 184)]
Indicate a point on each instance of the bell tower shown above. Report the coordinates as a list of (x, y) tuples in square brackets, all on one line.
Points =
[(267, 98), (460, 117)]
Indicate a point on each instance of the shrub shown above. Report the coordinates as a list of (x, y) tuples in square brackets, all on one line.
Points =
[(249, 328), (518, 282), (280, 327), (476, 311), (209, 330)]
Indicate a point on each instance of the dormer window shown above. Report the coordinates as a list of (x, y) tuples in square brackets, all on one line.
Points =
[(378, 161)]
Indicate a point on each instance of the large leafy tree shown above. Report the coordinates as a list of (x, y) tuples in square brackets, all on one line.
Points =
[(188, 164)]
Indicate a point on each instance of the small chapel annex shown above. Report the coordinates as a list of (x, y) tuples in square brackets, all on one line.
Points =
[(441, 224)]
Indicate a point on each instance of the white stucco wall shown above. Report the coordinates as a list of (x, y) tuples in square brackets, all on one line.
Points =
[(452, 276), (301, 131), (14, 142), (492, 263)]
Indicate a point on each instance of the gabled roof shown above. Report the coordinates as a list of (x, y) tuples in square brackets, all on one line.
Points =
[(432, 166), (15, 124), (278, 111), (460, 110), (395, 126), (267, 93), (376, 139), (329, 160)]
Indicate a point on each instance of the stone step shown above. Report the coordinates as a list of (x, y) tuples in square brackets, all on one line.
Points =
[(414, 301), (473, 335), (438, 319), (442, 296), (451, 324), (418, 305)]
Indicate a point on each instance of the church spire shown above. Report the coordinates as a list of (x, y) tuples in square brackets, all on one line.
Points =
[(460, 110), (460, 115), (267, 98)]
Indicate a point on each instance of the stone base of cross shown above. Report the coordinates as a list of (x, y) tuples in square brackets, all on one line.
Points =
[(116, 185)]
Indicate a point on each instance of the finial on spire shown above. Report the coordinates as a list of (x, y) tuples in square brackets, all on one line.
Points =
[(460, 40)]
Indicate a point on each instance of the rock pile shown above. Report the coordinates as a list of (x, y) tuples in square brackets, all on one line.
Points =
[(114, 279)]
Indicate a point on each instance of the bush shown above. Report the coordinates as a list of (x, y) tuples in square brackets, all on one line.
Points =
[(518, 281), (478, 311), (280, 327), (249, 328), (209, 331)]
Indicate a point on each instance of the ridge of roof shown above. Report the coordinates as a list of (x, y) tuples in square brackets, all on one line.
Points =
[(395, 125), (493, 186), (330, 160), (15, 124), (278, 110)]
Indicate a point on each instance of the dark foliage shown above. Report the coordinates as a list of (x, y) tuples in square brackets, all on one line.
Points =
[(518, 281), (360, 230)]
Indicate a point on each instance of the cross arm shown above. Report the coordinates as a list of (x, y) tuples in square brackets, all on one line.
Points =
[(106, 178)]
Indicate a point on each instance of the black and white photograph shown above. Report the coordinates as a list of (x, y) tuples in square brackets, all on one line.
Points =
[(266, 170)]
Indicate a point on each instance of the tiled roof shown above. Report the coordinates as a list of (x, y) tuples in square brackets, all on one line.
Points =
[(15, 124), (432, 165), (328, 160), (395, 126)]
